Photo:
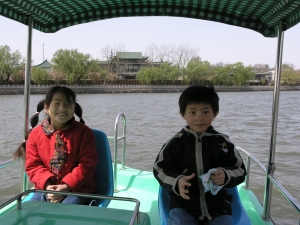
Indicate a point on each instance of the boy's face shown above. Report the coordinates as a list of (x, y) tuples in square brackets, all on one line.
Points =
[(199, 116)]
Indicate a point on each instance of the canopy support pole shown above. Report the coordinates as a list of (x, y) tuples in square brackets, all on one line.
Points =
[(271, 163), (27, 95)]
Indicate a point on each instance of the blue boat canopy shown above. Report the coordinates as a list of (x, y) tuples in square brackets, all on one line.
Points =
[(49, 16)]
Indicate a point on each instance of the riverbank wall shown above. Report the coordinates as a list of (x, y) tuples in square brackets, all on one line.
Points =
[(103, 89)]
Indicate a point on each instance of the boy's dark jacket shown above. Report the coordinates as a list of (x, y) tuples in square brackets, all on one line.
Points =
[(187, 153)]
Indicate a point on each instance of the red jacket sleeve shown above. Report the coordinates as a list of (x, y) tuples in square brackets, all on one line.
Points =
[(87, 161), (36, 169)]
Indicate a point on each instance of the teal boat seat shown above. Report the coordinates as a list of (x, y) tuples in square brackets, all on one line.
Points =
[(104, 170), (239, 214)]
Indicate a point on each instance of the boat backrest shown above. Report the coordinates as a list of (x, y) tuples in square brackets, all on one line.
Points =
[(104, 170), (239, 214)]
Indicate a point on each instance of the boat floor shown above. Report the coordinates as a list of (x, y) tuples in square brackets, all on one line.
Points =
[(141, 185)]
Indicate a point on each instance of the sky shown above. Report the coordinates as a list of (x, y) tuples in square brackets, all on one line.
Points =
[(216, 42)]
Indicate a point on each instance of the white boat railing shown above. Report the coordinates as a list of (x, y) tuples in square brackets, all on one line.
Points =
[(282, 190), (115, 138), (134, 218), (8, 163)]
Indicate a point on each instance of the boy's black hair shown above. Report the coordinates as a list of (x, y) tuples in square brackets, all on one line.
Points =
[(199, 94)]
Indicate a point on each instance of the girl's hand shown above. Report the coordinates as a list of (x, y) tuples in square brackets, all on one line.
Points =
[(218, 177), (184, 184), (57, 197)]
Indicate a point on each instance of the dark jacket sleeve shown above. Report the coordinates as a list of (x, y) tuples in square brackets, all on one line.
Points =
[(166, 169), (233, 166)]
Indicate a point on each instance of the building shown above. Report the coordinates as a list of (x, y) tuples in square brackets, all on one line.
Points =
[(46, 65), (127, 64), (263, 72)]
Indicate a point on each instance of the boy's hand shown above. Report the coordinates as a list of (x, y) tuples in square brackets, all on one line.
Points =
[(218, 177), (183, 185)]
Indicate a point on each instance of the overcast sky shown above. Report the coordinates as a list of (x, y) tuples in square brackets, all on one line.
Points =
[(216, 42)]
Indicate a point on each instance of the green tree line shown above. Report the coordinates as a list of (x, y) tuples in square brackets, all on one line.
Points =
[(72, 67)]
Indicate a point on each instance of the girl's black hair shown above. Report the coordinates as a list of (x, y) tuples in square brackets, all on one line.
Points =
[(70, 95), (199, 94)]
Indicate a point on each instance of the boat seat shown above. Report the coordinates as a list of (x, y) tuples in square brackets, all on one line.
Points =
[(104, 170), (239, 214)]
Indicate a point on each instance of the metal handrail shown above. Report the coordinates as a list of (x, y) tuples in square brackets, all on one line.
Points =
[(135, 215), (116, 139), (282, 190), (9, 163)]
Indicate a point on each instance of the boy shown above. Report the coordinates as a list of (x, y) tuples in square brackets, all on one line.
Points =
[(192, 152)]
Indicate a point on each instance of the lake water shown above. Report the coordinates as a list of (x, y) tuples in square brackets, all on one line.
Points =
[(153, 118)]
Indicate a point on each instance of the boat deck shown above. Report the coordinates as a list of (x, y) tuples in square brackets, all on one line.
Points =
[(141, 185)]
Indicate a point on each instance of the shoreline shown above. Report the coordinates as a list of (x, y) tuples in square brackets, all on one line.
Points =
[(94, 89)]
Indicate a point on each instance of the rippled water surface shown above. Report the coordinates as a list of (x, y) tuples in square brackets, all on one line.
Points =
[(154, 118)]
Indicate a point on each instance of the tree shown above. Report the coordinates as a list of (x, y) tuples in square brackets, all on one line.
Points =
[(241, 74), (179, 55), (222, 75), (108, 52), (96, 73), (147, 75), (198, 71), (73, 64), (162, 53), (287, 66), (10, 63), (166, 72), (184, 53), (57, 75), (150, 52), (18, 76), (289, 76), (40, 76)]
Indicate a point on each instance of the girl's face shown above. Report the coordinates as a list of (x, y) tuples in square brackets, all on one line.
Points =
[(60, 110)]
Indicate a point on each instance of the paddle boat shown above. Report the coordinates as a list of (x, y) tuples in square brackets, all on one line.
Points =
[(132, 196)]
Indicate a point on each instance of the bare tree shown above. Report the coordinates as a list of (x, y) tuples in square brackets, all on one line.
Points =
[(106, 52), (150, 52), (180, 55), (184, 54), (162, 52), (109, 51), (120, 47), (57, 75), (171, 54)]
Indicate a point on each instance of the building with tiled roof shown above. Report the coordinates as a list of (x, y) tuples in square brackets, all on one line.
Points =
[(127, 64), (46, 65)]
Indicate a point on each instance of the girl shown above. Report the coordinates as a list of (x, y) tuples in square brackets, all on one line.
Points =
[(60, 152)]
